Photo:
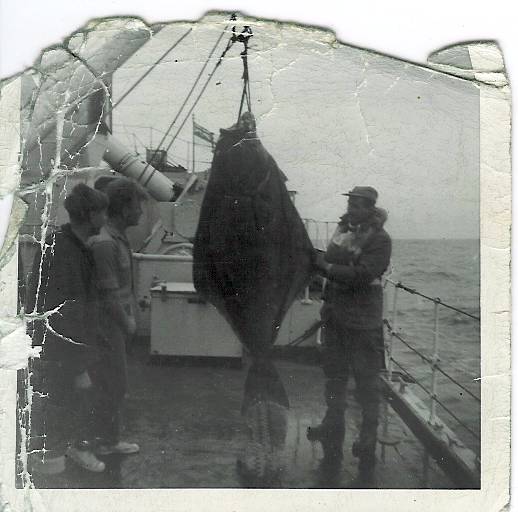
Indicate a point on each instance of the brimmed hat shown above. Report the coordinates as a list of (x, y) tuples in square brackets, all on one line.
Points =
[(366, 192)]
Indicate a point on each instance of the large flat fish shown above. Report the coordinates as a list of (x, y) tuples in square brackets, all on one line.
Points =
[(252, 254)]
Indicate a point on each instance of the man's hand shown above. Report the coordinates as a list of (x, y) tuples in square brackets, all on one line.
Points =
[(320, 263), (82, 381)]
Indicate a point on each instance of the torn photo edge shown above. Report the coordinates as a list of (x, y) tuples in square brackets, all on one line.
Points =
[(488, 72)]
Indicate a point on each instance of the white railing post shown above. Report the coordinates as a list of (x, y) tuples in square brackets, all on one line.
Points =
[(306, 300), (392, 331), (319, 337), (435, 361)]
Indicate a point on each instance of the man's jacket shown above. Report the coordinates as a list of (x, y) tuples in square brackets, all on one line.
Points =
[(358, 257)]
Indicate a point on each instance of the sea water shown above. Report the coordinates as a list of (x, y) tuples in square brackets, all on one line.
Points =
[(449, 270)]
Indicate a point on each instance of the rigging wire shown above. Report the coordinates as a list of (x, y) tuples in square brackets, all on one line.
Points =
[(218, 63), (126, 126), (188, 97), (132, 134), (163, 56)]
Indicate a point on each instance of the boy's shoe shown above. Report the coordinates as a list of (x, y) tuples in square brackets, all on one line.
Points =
[(364, 480), (86, 459), (48, 465), (121, 448)]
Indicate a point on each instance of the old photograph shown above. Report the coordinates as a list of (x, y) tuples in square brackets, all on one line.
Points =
[(249, 256)]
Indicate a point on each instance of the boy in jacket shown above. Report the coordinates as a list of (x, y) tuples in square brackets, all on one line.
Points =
[(62, 288), (114, 278)]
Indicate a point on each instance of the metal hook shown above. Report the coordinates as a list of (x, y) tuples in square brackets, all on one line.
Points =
[(243, 36)]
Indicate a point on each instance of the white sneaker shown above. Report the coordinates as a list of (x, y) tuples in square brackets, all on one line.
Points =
[(86, 460), (121, 448)]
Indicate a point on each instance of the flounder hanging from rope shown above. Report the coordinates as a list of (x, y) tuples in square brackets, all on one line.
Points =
[(252, 255)]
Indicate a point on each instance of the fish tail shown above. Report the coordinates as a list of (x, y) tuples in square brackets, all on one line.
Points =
[(265, 409), (263, 384)]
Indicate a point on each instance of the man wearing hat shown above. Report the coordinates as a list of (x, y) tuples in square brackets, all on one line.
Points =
[(356, 258)]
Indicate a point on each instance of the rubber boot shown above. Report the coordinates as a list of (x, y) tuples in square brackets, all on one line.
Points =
[(365, 446), (366, 453), (331, 430)]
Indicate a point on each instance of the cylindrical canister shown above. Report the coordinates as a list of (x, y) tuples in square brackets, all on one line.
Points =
[(117, 155)]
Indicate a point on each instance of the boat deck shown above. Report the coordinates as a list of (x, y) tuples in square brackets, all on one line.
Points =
[(187, 421)]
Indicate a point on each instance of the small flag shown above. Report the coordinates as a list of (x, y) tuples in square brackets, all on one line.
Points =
[(203, 133)]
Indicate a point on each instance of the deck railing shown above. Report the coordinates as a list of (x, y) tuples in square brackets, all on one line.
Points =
[(432, 361)]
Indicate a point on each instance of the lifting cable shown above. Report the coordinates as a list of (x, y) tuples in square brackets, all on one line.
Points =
[(244, 38)]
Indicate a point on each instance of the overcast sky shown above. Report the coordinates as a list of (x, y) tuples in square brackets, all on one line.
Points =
[(332, 116)]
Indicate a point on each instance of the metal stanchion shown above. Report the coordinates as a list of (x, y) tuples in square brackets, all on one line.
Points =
[(319, 337), (435, 361), (306, 300), (392, 331)]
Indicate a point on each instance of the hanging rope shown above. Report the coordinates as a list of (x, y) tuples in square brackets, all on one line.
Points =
[(244, 38)]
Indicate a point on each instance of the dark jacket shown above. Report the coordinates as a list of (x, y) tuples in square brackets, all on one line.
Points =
[(358, 257), (64, 276)]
